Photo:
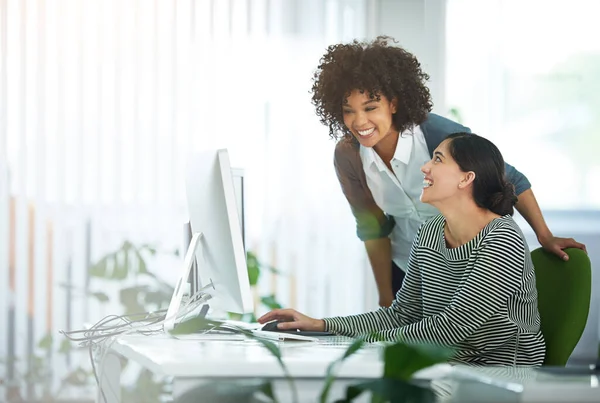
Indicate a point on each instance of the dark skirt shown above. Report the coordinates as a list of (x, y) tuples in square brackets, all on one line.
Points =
[(397, 278)]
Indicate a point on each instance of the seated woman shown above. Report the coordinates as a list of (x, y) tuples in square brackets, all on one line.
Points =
[(470, 283)]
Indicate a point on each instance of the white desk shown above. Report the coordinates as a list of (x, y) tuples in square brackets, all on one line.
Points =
[(191, 362), (521, 385)]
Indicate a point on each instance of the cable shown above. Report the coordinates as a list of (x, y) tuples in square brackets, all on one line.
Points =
[(96, 374), (104, 333), (190, 306)]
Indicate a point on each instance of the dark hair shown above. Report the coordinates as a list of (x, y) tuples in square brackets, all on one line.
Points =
[(491, 189), (375, 68)]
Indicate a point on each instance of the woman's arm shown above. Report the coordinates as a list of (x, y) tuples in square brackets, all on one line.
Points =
[(496, 274), (373, 226), (371, 221), (407, 308), (530, 210), (379, 252), (528, 207)]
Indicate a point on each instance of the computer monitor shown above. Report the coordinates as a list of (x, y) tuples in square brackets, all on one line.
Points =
[(217, 242), (239, 187)]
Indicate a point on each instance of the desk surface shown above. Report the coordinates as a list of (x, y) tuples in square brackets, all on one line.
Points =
[(210, 359), (530, 384), (249, 358)]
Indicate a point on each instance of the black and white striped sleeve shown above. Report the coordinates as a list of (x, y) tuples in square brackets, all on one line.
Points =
[(497, 273), (405, 309)]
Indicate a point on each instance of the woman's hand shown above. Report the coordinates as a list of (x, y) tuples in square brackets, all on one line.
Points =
[(386, 299), (292, 319), (556, 245)]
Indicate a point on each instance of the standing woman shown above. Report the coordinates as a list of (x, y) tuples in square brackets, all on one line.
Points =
[(374, 100)]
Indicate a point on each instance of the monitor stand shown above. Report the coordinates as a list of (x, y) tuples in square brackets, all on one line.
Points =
[(203, 311), (174, 310), (194, 258)]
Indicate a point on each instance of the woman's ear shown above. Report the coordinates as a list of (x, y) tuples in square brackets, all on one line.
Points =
[(466, 179), (394, 105)]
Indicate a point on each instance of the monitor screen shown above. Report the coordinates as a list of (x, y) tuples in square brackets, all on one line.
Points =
[(215, 206)]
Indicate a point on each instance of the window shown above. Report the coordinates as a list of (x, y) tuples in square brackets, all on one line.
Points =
[(526, 75)]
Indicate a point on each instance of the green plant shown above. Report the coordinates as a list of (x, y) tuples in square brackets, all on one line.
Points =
[(144, 292), (401, 362), (129, 262), (255, 268), (147, 292)]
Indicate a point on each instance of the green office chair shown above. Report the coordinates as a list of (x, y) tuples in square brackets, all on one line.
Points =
[(564, 291)]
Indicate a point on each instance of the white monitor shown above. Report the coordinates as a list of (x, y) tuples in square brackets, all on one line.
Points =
[(213, 212)]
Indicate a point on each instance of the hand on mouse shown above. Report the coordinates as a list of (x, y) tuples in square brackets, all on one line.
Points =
[(292, 319)]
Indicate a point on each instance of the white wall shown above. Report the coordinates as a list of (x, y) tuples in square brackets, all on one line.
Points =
[(419, 27), (4, 234)]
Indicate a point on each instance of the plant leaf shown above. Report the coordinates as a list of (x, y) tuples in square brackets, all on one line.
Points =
[(195, 325), (46, 342), (274, 349), (267, 390), (228, 392), (120, 268), (142, 266), (402, 360), (147, 389), (78, 377), (65, 346), (234, 316), (157, 297), (100, 296), (99, 269), (253, 268), (130, 298), (270, 302), (330, 375), (393, 390), (125, 263)]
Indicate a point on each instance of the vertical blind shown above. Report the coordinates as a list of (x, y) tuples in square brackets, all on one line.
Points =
[(100, 104)]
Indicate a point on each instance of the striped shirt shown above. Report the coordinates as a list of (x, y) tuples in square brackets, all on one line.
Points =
[(479, 298)]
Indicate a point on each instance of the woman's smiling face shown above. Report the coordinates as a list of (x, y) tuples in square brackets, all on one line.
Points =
[(368, 119), (443, 177)]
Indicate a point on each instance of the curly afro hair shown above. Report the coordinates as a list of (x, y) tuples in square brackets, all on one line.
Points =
[(377, 69)]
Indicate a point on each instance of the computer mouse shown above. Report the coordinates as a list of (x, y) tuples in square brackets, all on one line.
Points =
[(272, 327)]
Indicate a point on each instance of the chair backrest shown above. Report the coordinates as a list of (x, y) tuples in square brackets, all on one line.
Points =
[(564, 290)]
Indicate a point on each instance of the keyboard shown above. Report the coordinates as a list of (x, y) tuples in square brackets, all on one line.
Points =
[(212, 336), (282, 336), (230, 330)]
